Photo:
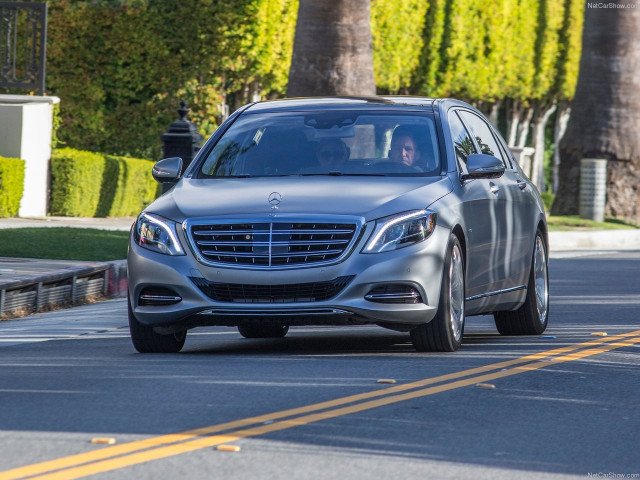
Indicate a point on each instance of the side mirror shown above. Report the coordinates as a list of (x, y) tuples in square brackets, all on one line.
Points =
[(480, 165), (167, 170)]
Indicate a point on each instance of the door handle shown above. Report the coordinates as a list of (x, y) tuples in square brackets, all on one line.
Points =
[(521, 185), (494, 188)]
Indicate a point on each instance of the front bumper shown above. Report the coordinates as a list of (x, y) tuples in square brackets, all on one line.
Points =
[(418, 266)]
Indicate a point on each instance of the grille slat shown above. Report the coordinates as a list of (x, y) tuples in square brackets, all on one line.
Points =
[(282, 244), (308, 253), (266, 244), (285, 232), (224, 253)]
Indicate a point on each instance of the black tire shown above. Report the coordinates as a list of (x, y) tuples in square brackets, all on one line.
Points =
[(145, 340), (444, 332), (532, 317), (263, 331)]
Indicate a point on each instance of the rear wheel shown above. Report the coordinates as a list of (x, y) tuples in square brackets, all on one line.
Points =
[(532, 317), (263, 331), (145, 340), (444, 332)]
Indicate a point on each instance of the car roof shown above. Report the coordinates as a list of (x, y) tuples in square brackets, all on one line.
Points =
[(312, 103)]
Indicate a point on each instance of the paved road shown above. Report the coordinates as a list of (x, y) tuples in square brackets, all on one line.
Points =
[(564, 405)]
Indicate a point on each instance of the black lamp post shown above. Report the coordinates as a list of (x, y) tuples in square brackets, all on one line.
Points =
[(182, 138)]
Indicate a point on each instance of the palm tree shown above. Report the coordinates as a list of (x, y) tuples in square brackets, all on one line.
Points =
[(605, 115), (332, 51)]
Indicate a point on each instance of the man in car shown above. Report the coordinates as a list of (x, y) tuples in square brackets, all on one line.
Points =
[(404, 148)]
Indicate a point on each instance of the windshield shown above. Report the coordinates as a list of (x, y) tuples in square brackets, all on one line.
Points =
[(325, 143)]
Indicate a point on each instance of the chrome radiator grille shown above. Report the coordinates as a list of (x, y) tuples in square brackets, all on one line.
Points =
[(271, 244)]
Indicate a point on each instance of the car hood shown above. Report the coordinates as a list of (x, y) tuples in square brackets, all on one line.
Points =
[(367, 197)]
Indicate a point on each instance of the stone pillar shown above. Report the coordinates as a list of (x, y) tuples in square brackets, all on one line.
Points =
[(524, 157), (593, 188), (26, 125)]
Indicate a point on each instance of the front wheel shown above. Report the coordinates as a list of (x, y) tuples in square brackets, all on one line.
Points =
[(444, 332), (145, 340), (532, 317)]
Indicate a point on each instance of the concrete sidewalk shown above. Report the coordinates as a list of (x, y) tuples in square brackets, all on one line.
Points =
[(30, 277)]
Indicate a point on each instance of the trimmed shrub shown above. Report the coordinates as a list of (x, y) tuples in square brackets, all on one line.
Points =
[(76, 181), (547, 199), (135, 187), (88, 184), (11, 185)]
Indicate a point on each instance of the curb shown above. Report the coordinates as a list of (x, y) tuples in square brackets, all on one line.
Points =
[(35, 292), (595, 240)]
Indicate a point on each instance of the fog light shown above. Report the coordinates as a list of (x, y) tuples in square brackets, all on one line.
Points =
[(394, 293), (157, 296)]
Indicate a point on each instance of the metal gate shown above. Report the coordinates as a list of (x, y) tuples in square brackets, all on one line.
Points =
[(23, 45)]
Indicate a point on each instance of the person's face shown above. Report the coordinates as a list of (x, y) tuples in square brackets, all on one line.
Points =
[(330, 155), (403, 150)]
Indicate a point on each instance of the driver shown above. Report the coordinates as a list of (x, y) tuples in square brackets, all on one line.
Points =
[(404, 148)]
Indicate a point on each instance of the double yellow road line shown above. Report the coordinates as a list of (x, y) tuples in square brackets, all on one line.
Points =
[(133, 453)]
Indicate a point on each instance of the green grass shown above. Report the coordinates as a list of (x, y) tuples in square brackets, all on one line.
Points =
[(575, 223), (63, 243)]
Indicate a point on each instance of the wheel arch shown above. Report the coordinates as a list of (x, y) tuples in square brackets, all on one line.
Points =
[(459, 232), (542, 226)]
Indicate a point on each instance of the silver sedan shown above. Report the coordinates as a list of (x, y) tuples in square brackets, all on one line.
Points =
[(407, 213)]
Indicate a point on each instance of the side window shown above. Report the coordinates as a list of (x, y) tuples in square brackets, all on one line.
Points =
[(482, 133), (506, 153), (462, 143)]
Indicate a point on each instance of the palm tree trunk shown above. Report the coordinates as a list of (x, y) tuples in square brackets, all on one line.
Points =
[(605, 114), (332, 50)]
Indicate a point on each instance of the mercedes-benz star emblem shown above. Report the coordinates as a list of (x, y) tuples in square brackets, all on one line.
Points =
[(274, 199)]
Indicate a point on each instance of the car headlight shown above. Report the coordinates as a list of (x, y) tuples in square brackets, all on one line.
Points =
[(399, 231), (157, 234)]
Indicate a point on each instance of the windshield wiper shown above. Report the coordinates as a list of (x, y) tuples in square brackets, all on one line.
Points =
[(361, 174), (340, 174)]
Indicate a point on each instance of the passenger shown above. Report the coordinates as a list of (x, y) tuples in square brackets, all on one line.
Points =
[(404, 147), (332, 153)]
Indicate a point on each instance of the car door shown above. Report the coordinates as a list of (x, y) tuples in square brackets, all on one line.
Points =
[(483, 209), (521, 214)]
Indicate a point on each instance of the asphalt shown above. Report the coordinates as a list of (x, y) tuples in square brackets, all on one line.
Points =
[(19, 272)]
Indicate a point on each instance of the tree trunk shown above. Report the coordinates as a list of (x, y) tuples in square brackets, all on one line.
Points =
[(605, 112), (493, 114), (523, 128), (514, 111), (332, 50), (541, 117), (562, 118)]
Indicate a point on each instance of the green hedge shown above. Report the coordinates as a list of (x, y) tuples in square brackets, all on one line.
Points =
[(121, 67), (88, 184), (11, 185)]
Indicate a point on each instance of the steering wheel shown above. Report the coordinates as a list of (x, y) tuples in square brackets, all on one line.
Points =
[(389, 166)]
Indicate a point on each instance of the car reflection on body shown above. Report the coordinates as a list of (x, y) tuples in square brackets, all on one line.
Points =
[(425, 221)]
